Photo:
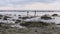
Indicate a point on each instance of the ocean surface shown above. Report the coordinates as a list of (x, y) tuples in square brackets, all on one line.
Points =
[(30, 13)]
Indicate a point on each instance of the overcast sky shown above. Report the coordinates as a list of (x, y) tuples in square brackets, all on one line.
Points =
[(29, 4)]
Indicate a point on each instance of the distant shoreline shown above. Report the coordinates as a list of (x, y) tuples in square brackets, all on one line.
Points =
[(30, 10)]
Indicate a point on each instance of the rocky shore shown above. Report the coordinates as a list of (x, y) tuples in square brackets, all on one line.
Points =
[(51, 29)]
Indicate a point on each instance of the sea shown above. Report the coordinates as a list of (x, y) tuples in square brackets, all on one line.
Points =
[(39, 13)]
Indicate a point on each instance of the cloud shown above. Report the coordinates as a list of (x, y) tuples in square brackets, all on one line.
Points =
[(29, 4), (42, 6), (34, 6), (23, 2), (3, 3)]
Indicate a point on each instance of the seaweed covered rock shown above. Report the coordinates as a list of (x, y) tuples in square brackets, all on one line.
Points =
[(46, 17), (17, 21), (55, 15), (5, 17), (34, 24)]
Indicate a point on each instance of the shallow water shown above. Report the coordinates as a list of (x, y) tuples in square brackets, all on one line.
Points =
[(56, 20)]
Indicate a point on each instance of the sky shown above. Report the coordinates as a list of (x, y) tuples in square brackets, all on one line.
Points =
[(29, 4)]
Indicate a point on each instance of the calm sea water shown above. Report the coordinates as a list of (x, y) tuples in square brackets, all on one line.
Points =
[(30, 13)]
